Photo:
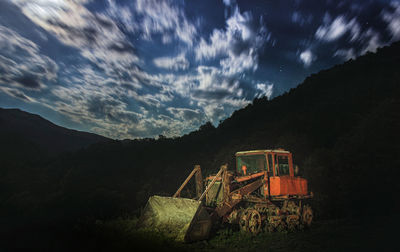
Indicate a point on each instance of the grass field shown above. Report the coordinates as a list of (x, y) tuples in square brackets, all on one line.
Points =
[(372, 234)]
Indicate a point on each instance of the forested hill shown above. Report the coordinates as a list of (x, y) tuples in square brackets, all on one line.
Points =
[(326, 106), (341, 124)]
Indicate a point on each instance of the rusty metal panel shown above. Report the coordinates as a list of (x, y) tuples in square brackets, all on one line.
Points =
[(215, 195), (199, 181)]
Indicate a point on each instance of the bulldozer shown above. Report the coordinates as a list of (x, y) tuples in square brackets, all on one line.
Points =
[(263, 193)]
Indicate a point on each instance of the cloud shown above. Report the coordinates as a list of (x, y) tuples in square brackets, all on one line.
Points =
[(301, 19), (122, 47), (122, 15), (176, 63), (113, 109), (22, 64), (361, 39), (147, 18), (95, 35), (371, 41), (17, 94), (307, 57), (366, 37), (162, 17), (186, 114), (234, 64), (229, 2), (346, 53), (214, 112), (214, 93), (205, 80), (237, 45), (393, 20), (334, 30), (110, 109), (264, 90), (103, 111)]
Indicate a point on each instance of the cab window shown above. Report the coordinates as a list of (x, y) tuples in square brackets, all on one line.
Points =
[(276, 165), (283, 165), (250, 164), (271, 170)]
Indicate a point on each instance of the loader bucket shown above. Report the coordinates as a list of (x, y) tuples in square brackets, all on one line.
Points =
[(181, 219)]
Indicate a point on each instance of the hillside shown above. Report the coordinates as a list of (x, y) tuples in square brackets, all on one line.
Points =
[(20, 129), (341, 124)]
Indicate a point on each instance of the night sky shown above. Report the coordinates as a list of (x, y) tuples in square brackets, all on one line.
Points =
[(134, 69)]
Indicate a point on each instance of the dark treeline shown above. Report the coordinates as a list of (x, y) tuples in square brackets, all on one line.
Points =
[(341, 124)]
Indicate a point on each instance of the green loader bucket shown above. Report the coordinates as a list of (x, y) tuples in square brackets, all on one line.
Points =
[(181, 219)]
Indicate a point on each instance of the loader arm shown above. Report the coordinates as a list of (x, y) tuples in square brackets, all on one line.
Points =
[(199, 185), (236, 197)]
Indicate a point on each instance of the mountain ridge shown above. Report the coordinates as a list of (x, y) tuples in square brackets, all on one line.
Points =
[(47, 136)]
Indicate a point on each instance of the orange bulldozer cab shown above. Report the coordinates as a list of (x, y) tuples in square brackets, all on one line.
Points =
[(278, 164)]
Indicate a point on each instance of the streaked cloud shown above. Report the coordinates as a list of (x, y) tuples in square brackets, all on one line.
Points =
[(175, 63), (22, 64), (301, 19), (334, 29), (264, 90), (307, 57), (95, 35), (166, 19), (237, 46), (393, 20), (346, 53), (18, 94), (229, 2)]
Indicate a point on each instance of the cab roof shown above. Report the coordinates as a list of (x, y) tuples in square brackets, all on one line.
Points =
[(260, 151)]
